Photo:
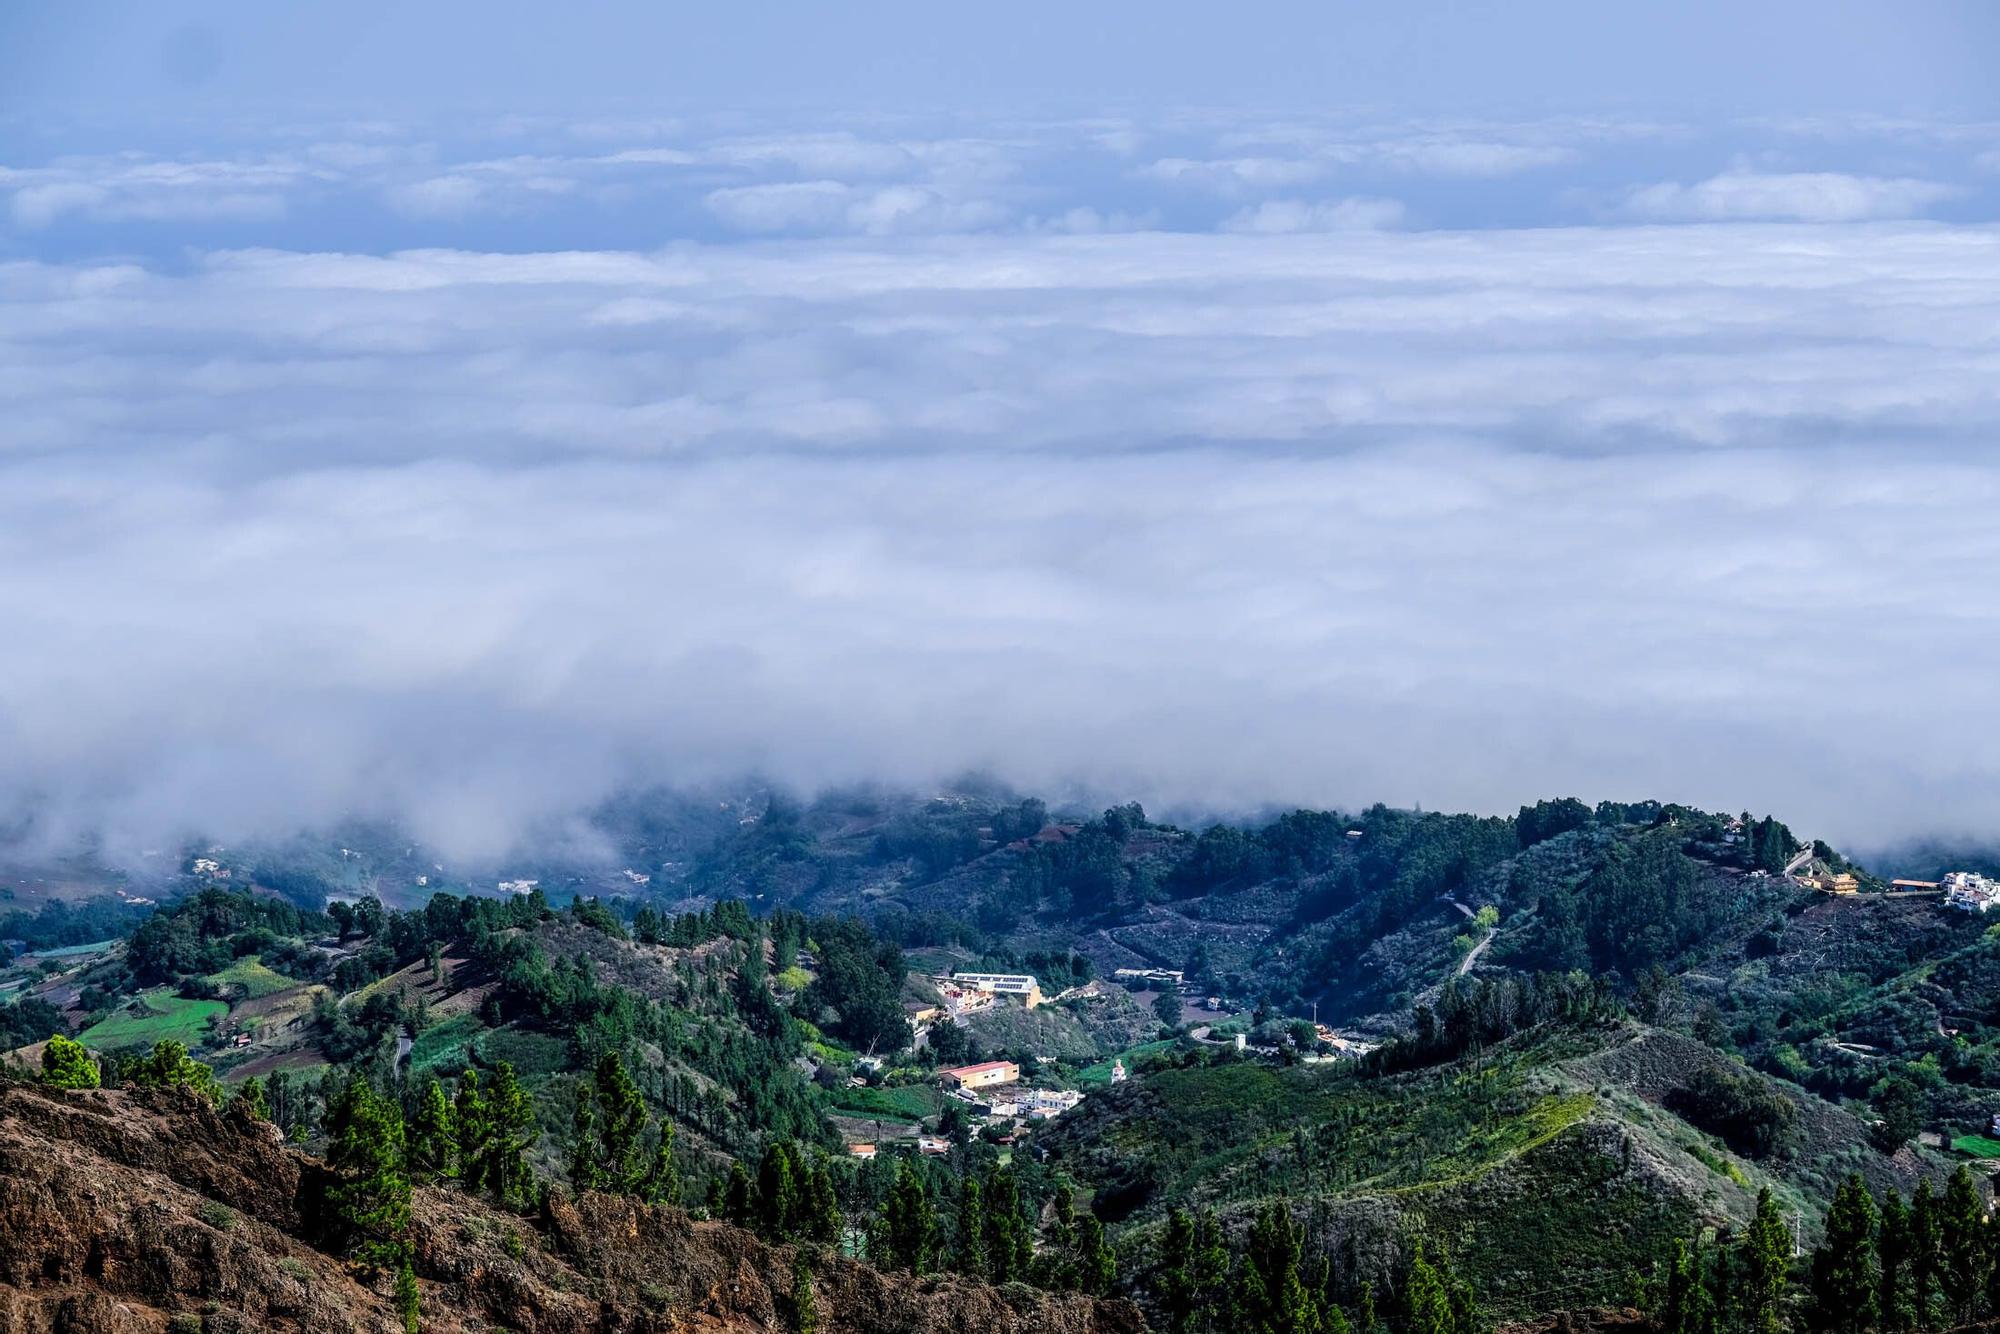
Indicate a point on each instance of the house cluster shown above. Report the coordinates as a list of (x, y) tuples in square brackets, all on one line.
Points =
[(1032, 1104), (993, 1089), (1969, 891), (972, 991)]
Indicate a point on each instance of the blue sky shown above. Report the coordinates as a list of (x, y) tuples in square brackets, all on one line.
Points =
[(1788, 57), (462, 412)]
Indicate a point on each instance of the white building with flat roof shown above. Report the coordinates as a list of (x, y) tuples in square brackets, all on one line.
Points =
[(1969, 891)]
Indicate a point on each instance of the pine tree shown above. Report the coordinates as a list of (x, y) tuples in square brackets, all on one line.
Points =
[(778, 1194), (1173, 1279), (67, 1064), (662, 1183), (1723, 1284), (1271, 1298), (409, 1303), (370, 1196), (1926, 1254), (1964, 1251), (970, 1257), (824, 1220), (1096, 1267), (739, 1198), (585, 1171), (1211, 1272), (474, 1127), (909, 1228), (1009, 1247), (1767, 1264), (1365, 1319), (433, 1135), (621, 1123), (170, 1066), (1990, 1235), (249, 1100), (1844, 1281), (1894, 1303), (1056, 1269), (1431, 1304), (512, 1128), (1686, 1309)]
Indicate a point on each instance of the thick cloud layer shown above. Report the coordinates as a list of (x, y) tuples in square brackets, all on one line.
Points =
[(1306, 505)]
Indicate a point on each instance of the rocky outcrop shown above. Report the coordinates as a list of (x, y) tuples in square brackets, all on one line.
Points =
[(134, 1212)]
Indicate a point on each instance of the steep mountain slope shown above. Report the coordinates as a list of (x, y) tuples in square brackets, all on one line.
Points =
[(126, 1212), (1550, 1167)]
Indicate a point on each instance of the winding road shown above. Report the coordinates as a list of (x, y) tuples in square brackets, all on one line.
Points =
[(1472, 955)]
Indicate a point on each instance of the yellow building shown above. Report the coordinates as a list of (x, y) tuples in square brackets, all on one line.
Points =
[(987, 1074)]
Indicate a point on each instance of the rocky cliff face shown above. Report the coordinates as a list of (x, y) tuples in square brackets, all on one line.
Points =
[(135, 1212)]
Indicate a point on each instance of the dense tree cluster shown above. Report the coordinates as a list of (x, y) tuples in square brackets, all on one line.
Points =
[(59, 925), (203, 932), (1549, 819), (29, 1020), (861, 981), (1269, 1286), (168, 1065), (1740, 1108), (1929, 1263), (1471, 1013)]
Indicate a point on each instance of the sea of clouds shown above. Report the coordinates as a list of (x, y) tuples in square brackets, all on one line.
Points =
[(469, 473)]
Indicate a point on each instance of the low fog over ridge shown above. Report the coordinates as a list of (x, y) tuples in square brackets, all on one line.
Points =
[(1220, 465)]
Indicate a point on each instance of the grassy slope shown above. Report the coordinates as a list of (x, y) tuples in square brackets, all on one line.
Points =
[(909, 1102), (152, 1017), (1549, 1168), (250, 979)]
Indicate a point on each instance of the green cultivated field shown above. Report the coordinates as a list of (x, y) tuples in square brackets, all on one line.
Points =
[(154, 1017), (74, 951), (910, 1102), (441, 1047), (1979, 1146)]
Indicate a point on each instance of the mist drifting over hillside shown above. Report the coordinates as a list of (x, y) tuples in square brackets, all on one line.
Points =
[(467, 466)]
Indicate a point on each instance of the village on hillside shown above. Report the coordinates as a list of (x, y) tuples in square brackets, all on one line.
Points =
[(1003, 1099)]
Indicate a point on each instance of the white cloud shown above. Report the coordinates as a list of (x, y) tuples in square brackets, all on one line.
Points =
[(127, 189), (1464, 517), (37, 206), (1741, 195), (437, 196), (819, 207), (1231, 176), (1458, 518), (1468, 158), (1279, 216)]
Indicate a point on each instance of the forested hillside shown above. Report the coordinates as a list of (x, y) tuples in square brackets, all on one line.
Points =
[(1457, 1068)]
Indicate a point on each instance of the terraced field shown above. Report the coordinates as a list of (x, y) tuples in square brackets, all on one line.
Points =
[(153, 1017), (910, 1102)]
